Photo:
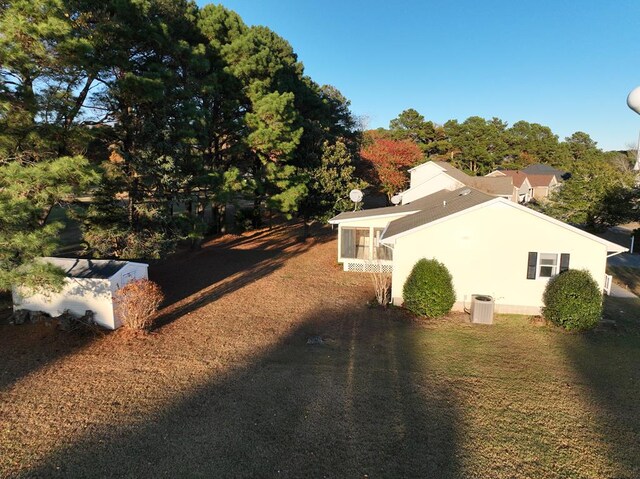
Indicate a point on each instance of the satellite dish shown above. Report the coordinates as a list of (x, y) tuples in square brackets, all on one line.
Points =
[(355, 196), (396, 199), (633, 100)]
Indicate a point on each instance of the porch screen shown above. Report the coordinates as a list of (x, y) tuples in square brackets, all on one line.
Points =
[(355, 243), (379, 251)]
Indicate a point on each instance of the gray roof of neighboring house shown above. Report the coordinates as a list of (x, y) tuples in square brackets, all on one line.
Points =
[(541, 169), (493, 185), (87, 268), (439, 205)]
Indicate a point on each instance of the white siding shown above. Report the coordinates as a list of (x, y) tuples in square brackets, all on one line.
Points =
[(82, 294), (436, 183), (77, 296), (483, 257)]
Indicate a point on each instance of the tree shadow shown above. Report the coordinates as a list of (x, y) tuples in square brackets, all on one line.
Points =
[(190, 281), (608, 361), (363, 403), (225, 265), (26, 348)]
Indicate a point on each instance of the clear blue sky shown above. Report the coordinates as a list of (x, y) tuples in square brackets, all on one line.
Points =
[(565, 64)]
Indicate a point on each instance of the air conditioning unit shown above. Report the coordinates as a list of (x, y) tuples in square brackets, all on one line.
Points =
[(482, 309)]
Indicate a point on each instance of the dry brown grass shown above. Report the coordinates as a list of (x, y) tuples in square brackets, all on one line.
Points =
[(228, 387)]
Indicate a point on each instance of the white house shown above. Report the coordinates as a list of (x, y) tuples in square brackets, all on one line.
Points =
[(432, 176), (480, 239), (89, 285)]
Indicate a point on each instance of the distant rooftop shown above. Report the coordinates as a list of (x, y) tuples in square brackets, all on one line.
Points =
[(87, 268), (541, 169)]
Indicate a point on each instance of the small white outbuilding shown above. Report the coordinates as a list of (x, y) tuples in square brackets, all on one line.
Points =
[(89, 285)]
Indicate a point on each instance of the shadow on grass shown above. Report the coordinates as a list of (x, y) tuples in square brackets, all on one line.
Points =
[(608, 361), (226, 265), (27, 348), (190, 281), (363, 403)]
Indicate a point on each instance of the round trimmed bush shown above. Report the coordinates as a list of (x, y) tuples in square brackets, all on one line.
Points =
[(573, 300), (428, 290)]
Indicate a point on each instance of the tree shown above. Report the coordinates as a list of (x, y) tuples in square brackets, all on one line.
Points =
[(28, 193), (329, 184), (478, 145), (411, 125), (531, 143), (390, 160), (597, 195)]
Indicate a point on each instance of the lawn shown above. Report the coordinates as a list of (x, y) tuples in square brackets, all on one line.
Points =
[(227, 386)]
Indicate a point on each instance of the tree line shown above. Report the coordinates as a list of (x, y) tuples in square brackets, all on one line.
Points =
[(161, 110), (600, 190)]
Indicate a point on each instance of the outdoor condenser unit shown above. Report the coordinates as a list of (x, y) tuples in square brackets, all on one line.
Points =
[(482, 309)]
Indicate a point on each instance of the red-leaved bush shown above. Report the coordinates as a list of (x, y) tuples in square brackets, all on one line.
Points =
[(136, 303)]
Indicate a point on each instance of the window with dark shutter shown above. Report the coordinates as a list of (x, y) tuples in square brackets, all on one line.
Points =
[(532, 264), (564, 262)]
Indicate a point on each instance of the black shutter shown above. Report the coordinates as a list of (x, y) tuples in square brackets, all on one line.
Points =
[(564, 262), (531, 265)]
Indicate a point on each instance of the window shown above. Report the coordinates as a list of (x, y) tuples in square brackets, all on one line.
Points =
[(546, 265), (364, 244), (355, 243), (380, 251)]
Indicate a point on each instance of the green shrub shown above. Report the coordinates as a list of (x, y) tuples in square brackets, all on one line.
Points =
[(428, 290), (573, 300)]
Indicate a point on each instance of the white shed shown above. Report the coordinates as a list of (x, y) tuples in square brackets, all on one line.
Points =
[(89, 285)]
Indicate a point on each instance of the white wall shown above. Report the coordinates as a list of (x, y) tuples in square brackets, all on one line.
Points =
[(424, 172), (439, 182), (77, 296), (486, 252), (82, 294)]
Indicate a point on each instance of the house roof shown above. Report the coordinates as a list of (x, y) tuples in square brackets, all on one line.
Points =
[(87, 268), (412, 207), (540, 180), (519, 177), (439, 205), (475, 198), (496, 185), (541, 169)]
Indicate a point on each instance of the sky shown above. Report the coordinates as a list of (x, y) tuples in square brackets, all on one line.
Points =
[(566, 64)]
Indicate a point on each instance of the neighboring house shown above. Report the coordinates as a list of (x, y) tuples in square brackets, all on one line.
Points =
[(542, 169), (530, 185), (89, 285), (434, 176), (480, 239), (543, 185)]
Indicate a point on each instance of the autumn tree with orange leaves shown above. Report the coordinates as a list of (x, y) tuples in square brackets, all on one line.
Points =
[(390, 160)]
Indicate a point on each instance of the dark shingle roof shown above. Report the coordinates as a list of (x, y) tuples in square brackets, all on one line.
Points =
[(87, 268), (440, 205), (387, 210), (541, 169)]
